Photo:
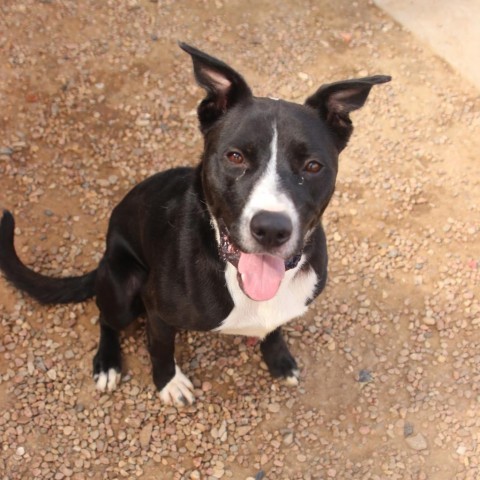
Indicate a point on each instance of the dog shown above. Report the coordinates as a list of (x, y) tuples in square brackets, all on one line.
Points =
[(235, 245)]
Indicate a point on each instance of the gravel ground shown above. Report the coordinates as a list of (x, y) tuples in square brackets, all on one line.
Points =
[(95, 96)]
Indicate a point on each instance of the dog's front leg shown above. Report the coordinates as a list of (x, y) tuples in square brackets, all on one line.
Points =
[(278, 358), (174, 387)]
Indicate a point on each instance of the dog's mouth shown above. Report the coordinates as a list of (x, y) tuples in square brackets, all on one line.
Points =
[(259, 274)]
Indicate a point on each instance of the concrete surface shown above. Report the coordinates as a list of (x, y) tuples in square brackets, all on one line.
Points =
[(451, 28)]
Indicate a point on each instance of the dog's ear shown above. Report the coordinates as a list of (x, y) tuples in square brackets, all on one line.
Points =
[(224, 86), (335, 101)]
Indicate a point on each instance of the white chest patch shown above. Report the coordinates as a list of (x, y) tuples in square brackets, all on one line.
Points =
[(257, 319)]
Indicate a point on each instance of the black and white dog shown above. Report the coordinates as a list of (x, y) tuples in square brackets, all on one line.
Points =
[(234, 245)]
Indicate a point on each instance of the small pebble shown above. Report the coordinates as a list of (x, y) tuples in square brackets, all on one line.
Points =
[(417, 442), (365, 376), (274, 407), (407, 429), (145, 435)]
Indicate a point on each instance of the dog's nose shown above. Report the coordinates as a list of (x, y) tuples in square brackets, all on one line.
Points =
[(271, 229)]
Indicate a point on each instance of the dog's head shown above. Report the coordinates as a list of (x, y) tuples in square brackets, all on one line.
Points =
[(269, 167)]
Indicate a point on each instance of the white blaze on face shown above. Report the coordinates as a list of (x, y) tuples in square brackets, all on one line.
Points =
[(267, 194)]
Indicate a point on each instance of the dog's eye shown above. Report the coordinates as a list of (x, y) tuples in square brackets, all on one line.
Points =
[(312, 166), (235, 157)]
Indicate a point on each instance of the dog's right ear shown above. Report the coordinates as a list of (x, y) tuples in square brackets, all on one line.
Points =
[(224, 86)]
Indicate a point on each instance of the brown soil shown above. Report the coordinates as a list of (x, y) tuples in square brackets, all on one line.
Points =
[(94, 97)]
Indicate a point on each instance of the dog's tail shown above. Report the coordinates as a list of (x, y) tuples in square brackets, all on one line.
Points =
[(46, 290)]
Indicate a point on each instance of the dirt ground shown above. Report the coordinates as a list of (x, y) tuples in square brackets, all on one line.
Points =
[(94, 97)]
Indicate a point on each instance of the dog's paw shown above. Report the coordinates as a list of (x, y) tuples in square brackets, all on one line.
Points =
[(107, 381), (178, 391), (292, 378), (284, 367), (107, 373)]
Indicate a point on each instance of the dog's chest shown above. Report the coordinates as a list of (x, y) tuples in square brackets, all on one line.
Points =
[(257, 319)]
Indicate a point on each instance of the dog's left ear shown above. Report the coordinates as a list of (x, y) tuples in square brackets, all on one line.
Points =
[(335, 101), (225, 87)]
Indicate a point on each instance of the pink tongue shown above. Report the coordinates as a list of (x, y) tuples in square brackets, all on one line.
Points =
[(261, 275)]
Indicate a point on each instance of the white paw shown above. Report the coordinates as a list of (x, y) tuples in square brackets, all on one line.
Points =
[(107, 380), (292, 380), (178, 391)]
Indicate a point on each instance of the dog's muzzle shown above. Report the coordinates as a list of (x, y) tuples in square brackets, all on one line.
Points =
[(259, 275)]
